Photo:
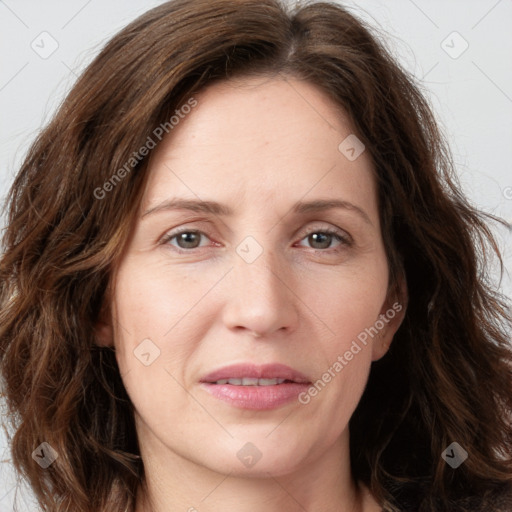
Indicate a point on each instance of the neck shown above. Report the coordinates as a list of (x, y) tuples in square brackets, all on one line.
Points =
[(173, 482)]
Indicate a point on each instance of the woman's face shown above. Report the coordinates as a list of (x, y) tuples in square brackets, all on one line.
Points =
[(255, 282)]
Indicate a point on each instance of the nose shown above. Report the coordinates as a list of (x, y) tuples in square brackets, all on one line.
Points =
[(260, 296)]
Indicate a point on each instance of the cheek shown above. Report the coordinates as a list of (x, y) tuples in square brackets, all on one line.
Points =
[(154, 333), (152, 301), (346, 300), (348, 303)]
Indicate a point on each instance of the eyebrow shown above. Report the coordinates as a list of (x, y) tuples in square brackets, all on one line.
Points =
[(214, 208), (211, 207), (319, 205)]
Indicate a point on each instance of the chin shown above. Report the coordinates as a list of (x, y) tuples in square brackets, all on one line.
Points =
[(258, 455)]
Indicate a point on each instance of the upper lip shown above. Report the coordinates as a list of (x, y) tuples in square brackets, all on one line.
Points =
[(266, 371)]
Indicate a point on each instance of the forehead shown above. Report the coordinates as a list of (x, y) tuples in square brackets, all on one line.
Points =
[(260, 138)]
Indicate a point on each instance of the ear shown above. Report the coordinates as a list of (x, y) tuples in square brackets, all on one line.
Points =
[(103, 330), (390, 318)]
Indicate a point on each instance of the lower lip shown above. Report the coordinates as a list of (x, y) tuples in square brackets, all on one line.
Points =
[(258, 398)]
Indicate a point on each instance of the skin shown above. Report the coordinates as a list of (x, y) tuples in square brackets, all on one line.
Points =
[(257, 145)]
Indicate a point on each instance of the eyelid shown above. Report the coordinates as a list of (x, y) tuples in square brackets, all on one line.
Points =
[(329, 229)]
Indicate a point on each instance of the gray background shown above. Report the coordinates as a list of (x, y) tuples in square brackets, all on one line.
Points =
[(471, 90)]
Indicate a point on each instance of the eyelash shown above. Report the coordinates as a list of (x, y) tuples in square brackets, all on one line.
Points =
[(344, 239)]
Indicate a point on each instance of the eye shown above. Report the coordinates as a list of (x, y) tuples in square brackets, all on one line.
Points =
[(323, 238), (186, 239)]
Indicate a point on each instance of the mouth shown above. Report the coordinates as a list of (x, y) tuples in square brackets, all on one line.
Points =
[(247, 386)]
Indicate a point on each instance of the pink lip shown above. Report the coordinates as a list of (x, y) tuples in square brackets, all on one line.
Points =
[(267, 371), (256, 397)]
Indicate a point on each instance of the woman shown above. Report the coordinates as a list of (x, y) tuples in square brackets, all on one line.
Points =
[(239, 275)]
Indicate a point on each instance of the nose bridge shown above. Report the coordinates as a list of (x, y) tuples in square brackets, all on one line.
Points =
[(259, 299), (258, 266)]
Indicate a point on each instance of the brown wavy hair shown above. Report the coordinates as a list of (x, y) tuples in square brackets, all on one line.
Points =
[(448, 374)]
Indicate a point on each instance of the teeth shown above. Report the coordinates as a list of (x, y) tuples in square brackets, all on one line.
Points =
[(270, 382), (251, 381)]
